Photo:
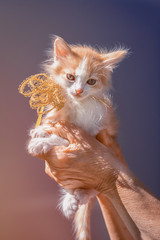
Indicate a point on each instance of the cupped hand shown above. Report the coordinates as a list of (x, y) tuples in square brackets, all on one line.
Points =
[(84, 163)]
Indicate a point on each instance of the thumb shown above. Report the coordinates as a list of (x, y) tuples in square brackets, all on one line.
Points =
[(104, 138), (68, 131), (111, 142)]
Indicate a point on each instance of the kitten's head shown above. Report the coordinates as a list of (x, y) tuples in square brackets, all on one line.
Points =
[(81, 70)]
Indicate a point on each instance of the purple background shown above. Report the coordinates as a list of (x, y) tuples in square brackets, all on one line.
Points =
[(29, 197)]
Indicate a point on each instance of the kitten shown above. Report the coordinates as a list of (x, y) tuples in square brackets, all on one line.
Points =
[(85, 76)]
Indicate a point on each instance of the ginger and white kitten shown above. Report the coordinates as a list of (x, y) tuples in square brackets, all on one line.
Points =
[(85, 76)]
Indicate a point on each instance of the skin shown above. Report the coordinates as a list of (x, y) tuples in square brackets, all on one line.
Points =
[(130, 210)]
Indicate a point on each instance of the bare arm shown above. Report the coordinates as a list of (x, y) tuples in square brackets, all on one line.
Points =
[(129, 209), (139, 202), (135, 197)]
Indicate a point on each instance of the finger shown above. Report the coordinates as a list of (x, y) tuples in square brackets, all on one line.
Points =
[(68, 131), (104, 137), (48, 171), (71, 184), (111, 142)]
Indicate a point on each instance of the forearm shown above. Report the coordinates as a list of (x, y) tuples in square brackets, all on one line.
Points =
[(142, 206), (115, 226), (131, 197)]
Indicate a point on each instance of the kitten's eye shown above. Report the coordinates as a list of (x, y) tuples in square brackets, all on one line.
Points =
[(70, 77), (91, 81)]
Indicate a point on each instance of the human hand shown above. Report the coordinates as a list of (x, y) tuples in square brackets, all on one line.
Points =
[(85, 163)]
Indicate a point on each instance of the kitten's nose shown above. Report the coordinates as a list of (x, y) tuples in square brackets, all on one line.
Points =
[(79, 91)]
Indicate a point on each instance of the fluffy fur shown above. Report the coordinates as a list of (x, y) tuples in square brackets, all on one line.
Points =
[(85, 76)]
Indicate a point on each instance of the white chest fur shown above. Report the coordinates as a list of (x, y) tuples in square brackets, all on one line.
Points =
[(89, 115)]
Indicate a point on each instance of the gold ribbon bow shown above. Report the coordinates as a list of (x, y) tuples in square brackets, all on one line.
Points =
[(42, 92)]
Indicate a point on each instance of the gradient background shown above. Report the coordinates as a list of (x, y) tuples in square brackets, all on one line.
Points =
[(28, 197)]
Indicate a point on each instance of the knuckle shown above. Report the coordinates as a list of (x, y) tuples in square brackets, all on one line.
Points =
[(46, 170), (56, 175), (59, 123)]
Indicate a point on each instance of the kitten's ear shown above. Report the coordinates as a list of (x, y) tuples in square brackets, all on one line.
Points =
[(111, 59), (61, 49)]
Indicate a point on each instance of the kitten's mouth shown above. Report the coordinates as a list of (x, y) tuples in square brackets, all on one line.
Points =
[(78, 96)]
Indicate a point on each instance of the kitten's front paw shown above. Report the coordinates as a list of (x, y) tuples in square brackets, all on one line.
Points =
[(44, 144), (38, 132), (39, 145), (69, 205)]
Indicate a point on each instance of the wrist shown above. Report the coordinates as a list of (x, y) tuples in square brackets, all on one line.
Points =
[(125, 179), (114, 175), (108, 172)]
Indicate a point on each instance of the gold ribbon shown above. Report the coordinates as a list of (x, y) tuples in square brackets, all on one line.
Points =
[(42, 92)]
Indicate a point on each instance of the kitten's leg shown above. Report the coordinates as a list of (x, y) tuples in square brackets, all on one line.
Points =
[(39, 131), (68, 204), (42, 142), (71, 200), (43, 145), (84, 195)]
